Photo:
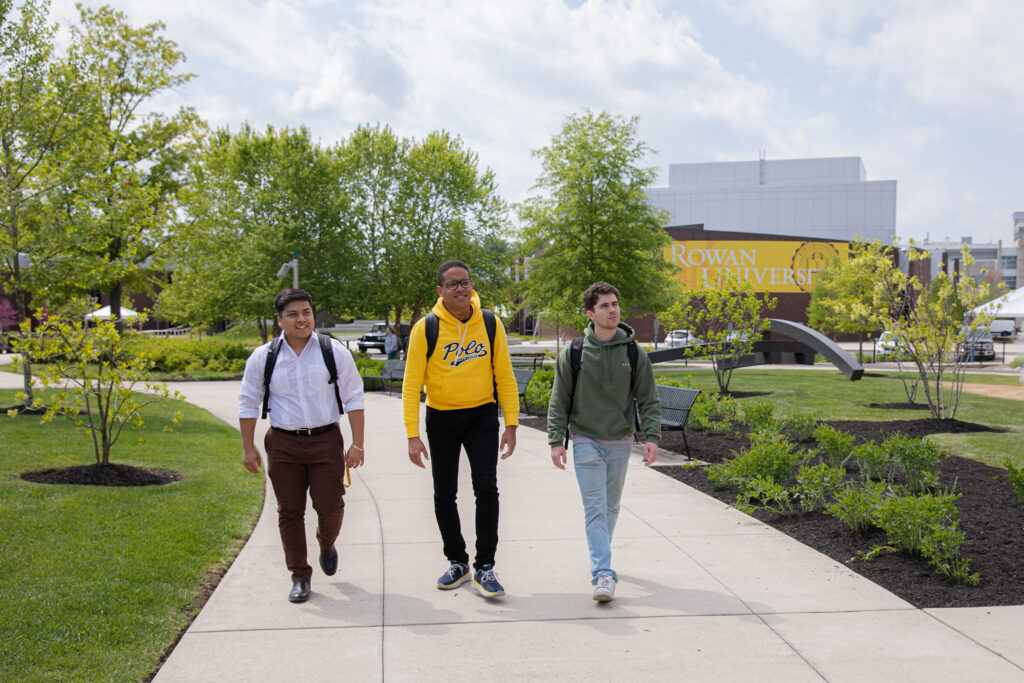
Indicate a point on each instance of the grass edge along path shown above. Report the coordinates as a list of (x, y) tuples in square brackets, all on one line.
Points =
[(100, 581)]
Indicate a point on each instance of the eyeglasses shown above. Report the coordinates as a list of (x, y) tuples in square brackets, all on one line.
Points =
[(455, 284)]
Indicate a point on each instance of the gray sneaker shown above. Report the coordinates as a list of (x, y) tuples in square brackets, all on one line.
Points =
[(604, 591)]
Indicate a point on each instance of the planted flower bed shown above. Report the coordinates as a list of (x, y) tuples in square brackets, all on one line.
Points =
[(963, 515)]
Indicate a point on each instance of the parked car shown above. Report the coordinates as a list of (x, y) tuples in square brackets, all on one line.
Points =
[(680, 339), (977, 346), (1002, 328), (374, 339), (887, 345), (736, 336)]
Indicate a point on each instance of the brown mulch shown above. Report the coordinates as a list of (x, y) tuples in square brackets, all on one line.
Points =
[(991, 517)]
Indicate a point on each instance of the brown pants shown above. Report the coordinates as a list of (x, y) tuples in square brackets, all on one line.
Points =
[(297, 464)]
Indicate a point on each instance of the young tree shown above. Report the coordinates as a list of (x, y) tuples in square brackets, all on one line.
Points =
[(728, 319), (94, 372), (593, 221), (933, 326)]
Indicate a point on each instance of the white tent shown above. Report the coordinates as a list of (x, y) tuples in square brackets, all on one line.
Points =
[(1010, 305), (104, 314)]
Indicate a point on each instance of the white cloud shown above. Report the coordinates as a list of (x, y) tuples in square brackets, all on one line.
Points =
[(894, 83)]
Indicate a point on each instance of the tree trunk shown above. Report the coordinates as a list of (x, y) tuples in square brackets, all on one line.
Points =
[(261, 325), (115, 306)]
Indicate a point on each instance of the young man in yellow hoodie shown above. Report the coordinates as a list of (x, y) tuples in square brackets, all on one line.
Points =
[(463, 375)]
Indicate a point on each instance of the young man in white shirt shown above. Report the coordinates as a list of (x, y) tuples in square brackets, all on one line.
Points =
[(304, 445)]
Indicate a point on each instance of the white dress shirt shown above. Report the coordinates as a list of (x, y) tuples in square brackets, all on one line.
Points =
[(300, 396)]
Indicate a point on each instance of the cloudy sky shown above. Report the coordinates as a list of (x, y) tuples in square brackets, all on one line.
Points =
[(927, 92)]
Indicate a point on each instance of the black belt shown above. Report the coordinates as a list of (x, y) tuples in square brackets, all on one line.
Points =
[(306, 431)]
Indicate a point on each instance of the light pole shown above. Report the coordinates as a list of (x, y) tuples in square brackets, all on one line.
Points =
[(293, 265)]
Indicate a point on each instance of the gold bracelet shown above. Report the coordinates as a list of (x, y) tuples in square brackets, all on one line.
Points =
[(357, 447)]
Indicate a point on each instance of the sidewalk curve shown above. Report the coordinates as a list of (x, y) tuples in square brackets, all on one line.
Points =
[(705, 592)]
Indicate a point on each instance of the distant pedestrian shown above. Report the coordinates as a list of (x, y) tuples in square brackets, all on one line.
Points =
[(304, 444), (460, 353), (391, 343), (599, 411)]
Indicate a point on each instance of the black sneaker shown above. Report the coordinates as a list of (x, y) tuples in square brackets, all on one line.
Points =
[(487, 582), (456, 575)]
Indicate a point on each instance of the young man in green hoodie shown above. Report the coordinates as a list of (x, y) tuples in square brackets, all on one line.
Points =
[(599, 413)]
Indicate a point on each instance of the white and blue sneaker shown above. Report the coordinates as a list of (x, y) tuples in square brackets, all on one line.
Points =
[(456, 575), (487, 582)]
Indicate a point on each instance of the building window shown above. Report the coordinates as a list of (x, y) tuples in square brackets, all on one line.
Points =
[(1010, 281), (1009, 263)]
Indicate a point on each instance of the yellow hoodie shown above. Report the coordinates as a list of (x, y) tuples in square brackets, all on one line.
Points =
[(458, 374)]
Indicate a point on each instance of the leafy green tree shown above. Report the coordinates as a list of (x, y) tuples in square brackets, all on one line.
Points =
[(843, 299), (250, 199), (413, 205), (94, 372), (117, 182), (593, 221), (728, 319)]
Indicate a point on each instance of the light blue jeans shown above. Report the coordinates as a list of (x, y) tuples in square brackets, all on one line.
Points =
[(601, 473)]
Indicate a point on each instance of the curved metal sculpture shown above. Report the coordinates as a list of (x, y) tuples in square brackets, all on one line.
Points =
[(801, 348), (819, 343)]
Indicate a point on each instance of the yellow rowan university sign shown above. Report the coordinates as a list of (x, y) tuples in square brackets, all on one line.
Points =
[(776, 267)]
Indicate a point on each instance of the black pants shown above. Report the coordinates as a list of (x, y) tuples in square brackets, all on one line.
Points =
[(448, 431)]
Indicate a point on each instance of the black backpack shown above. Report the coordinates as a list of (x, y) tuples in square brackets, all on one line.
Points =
[(576, 361), (332, 370)]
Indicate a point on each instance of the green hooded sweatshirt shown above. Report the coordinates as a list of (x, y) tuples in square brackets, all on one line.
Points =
[(603, 404)]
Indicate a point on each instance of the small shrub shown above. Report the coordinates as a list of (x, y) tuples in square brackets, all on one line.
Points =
[(835, 446), (713, 413), (816, 482), (857, 506), (919, 460), (1016, 477), (771, 456), (538, 393), (801, 425), (872, 461), (768, 495), (760, 415), (926, 525)]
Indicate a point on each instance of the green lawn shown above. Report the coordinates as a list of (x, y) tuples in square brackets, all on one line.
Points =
[(828, 394), (99, 580)]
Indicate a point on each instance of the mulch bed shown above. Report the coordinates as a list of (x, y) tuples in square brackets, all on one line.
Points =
[(104, 475), (991, 517)]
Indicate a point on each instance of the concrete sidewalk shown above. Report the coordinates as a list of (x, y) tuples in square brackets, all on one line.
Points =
[(705, 592)]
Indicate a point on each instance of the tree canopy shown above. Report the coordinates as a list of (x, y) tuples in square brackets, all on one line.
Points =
[(593, 221)]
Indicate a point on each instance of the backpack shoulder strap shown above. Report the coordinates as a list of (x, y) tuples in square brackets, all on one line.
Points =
[(575, 362), (633, 352), (268, 370), (491, 324), (430, 326), (327, 351)]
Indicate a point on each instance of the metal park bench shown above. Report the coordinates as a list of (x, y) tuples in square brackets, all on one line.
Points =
[(675, 409), (527, 360), (393, 372), (523, 376)]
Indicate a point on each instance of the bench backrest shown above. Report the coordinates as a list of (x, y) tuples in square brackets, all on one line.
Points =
[(676, 403), (523, 376), (392, 368)]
